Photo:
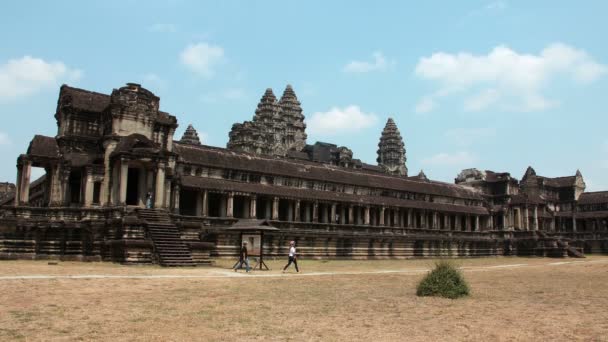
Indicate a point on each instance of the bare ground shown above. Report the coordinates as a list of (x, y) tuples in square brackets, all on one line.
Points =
[(529, 299)]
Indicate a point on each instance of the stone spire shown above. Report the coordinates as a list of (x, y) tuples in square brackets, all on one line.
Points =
[(190, 136), (276, 128), (391, 150), (291, 111)]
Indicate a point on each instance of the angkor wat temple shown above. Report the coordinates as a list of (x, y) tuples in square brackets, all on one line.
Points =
[(119, 188)]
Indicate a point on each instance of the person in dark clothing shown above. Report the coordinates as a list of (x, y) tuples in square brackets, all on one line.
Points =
[(293, 257), (243, 258)]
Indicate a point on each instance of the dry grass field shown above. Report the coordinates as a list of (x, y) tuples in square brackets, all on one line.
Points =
[(526, 299)]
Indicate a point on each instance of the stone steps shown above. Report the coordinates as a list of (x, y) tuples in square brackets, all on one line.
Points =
[(168, 244)]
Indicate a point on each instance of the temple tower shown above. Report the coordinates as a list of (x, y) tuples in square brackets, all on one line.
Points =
[(190, 136), (276, 128), (391, 150), (291, 112)]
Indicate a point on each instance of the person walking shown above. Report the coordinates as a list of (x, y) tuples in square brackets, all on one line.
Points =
[(293, 257), (243, 258)]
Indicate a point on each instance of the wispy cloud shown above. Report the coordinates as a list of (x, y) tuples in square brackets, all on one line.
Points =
[(336, 121), (162, 28), (379, 63), (202, 58), (504, 78), (4, 139), (27, 75)]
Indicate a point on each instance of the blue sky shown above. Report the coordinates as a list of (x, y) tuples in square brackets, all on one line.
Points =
[(496, 85)]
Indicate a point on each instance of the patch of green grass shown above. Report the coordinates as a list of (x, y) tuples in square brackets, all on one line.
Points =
[(445, 280)]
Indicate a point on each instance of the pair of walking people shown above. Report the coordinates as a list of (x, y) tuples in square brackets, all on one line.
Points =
[(244, 258)]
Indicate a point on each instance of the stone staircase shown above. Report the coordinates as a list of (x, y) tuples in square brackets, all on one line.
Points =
[(571, 250), (168, 244)]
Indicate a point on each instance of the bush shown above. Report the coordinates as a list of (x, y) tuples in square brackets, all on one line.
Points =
[(444, 281)]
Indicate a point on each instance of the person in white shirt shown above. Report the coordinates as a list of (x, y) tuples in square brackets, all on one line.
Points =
[(292, 256)]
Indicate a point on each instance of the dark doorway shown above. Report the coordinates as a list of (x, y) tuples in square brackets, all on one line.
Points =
[(75, 182), (215, 205), (97, 193), (133, 187), (187, 202)]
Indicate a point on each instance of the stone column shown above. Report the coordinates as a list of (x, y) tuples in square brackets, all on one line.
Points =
[(198, 208), (275, 208), (55, 187), (381, 223), (106, 190), (351, 215), (505, 224), (88, 187), (205, 208), (176, 198), (477, 226), (526, 219), (315, 212), (253, 206), (395, 218), (536, 217), (573, 222), (124, 173), (298, 218), (160, 187), (342, 214), (409, 218), (457, 222), (332, 214), (290, 206), (230, 205), (19, 183), (366, 215)]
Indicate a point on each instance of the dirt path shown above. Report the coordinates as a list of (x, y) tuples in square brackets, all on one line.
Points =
[(229, 274)]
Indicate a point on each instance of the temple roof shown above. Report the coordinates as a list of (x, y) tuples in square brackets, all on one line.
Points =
[(223, 158), (84, 100), (190, 136), (593, 197), (43, 146)]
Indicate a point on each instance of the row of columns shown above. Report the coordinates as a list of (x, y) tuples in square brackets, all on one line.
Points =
[(320, 212)]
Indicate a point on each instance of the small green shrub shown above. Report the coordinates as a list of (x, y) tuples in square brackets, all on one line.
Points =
[(443, 281)]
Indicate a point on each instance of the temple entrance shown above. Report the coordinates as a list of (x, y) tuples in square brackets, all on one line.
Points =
[(133, 186), (187, 202), (74, 183)]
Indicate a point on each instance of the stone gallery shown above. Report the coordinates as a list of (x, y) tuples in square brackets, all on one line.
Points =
[(117, 187)]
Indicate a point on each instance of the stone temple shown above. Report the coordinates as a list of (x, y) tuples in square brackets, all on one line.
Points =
[(115, 154)]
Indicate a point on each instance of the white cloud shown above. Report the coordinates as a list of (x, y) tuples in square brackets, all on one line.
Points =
[(28, 75), (202, 58), (162, 28), (469, 136), (379, 64), (340, 121), (153, 80), (233, 94), (425, 105), (462, 158), (4, 139), (505, 78)]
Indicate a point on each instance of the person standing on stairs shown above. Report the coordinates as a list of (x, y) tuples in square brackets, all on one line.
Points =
[(149, 200), (243, 258)]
